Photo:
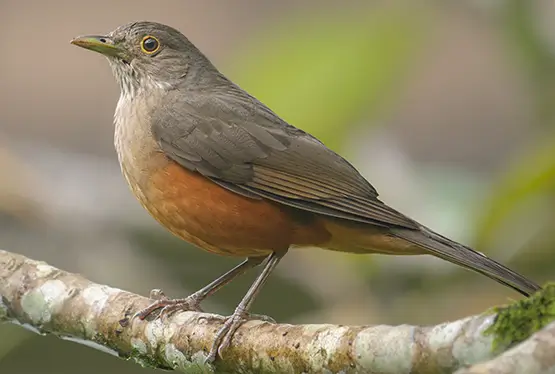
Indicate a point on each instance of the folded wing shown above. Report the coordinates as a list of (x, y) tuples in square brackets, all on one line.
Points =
[(243, 146)]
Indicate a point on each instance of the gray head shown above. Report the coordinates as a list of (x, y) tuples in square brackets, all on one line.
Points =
[(146, 55)]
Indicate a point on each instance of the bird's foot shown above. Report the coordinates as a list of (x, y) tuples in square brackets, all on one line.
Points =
[(226, 332), (168, 306)]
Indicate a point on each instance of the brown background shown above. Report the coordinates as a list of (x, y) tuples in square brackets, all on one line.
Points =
[(470, 109)]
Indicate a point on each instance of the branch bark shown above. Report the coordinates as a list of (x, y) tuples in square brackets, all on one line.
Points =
[(49, 300)]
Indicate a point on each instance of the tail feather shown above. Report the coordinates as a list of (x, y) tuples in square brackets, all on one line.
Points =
[(446, 249)]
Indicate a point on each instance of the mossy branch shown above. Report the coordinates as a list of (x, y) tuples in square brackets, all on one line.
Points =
[(536, 355), (48, 300)]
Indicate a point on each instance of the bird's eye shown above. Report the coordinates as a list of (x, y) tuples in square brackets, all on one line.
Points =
[(150, 44)]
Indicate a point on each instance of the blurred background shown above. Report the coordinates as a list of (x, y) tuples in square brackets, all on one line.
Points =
[(447, 107)]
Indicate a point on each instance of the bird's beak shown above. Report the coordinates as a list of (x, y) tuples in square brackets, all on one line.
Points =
[(100, 44)]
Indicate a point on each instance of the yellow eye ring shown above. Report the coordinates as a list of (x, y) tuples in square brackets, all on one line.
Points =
[(150, 44)]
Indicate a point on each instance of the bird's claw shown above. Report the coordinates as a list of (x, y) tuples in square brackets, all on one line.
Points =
[(167, 306), (224, 336), (232, 323), (261, 317)]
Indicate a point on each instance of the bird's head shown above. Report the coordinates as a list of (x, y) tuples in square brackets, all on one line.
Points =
[(145, 55)]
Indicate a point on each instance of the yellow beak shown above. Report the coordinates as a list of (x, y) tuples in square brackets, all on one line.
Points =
[(101, 44)]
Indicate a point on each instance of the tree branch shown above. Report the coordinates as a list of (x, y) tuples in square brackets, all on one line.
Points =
[(48, 300)]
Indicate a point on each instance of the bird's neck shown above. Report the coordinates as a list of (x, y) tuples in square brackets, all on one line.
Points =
[(133, 138)]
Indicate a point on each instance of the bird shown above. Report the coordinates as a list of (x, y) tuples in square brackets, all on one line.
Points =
[(219, 169)]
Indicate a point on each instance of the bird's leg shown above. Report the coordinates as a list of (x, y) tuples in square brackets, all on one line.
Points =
[(192, 302), (233, 322)]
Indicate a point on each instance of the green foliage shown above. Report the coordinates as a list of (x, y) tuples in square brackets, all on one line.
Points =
[(516, 322), (325, 73), (528, 187), (532, 176), (533, 52)]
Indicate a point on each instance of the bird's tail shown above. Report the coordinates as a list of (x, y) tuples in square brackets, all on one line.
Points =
[(446, 249)]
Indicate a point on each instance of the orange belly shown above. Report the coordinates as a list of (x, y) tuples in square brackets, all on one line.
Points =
[(223, 222), (220, 221)]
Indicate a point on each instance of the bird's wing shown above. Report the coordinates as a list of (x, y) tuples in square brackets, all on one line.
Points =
[(242, 145)]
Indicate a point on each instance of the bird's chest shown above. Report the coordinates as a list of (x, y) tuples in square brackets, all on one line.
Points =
[(138, 152)]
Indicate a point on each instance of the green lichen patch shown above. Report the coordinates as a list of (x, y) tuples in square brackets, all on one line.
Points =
[(178, 360), (41, 302), (516, 322), (147, 361)]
